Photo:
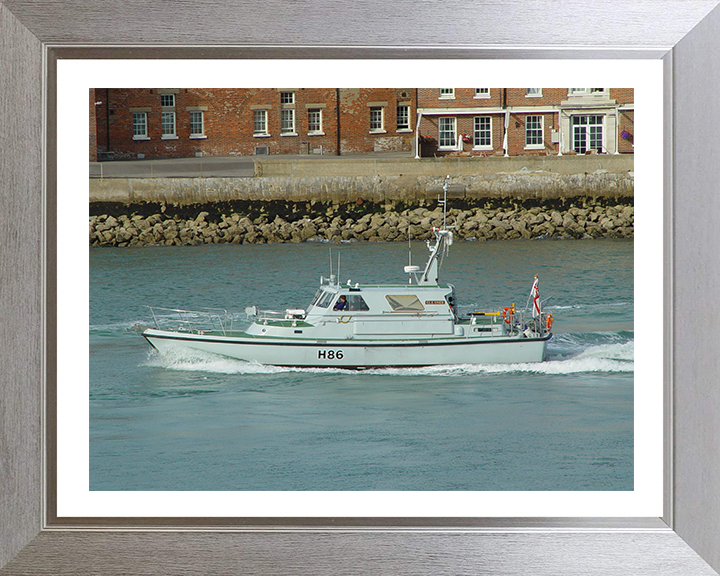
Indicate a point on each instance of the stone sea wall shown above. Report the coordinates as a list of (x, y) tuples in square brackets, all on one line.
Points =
[(149, 224)]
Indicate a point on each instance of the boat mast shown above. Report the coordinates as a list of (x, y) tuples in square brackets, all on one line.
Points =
[(443, 240)]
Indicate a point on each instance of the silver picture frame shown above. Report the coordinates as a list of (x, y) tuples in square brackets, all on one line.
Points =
[(684, 34)]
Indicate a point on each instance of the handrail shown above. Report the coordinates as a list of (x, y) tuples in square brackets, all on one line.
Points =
[(196, 320)]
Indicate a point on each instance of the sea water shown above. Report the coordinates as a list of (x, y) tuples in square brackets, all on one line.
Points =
[(212, 423)]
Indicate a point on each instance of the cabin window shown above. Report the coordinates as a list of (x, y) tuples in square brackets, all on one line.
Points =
[(322, 298), (356, 303), (405, 303), (318, 294)]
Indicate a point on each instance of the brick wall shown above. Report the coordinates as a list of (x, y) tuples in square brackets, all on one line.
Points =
[(358, 137), (93, 127), (228, 122), (229, 128), (99, 121), (551, 109)]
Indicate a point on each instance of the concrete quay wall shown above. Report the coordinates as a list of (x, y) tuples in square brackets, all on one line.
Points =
[(383, 180)]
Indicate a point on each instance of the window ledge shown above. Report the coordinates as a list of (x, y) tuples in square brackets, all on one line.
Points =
[(316, 133), (197, 136), (169, 137), (404, 130), (535, 147), (483, 148), (378, 131), (141, 137), (261, 135), (288, 134)]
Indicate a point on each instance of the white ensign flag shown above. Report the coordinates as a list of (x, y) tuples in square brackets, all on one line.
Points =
[(535, 298)]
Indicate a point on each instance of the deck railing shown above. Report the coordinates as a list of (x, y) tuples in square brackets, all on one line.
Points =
[(192, 321)]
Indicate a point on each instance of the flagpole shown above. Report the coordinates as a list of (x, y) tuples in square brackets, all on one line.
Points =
[(527, 304)]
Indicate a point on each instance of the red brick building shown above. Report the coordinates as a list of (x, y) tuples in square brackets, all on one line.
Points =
[(525, 121), (187, 122), (377, 120), (175, 123)]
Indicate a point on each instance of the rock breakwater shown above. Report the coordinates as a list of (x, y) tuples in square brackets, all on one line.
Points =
[(149, 225)]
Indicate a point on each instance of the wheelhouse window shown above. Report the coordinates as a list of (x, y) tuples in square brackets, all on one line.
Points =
[(356, 303), (405, 303), (587, 133), (534, 132), (482, 134), (260, 123), (140, 131), (447, 132), (322, 298)]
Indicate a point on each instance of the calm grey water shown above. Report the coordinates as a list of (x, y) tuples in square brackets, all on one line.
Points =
[(220, 424)]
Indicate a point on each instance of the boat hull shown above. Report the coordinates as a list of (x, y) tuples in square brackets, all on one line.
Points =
[(355, 353)]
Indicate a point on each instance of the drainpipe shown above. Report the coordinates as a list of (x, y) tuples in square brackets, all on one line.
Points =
[(417, 135), (507, 121), (560, 134), (617, 130), (505, 139), (107, 122), (337, 123)]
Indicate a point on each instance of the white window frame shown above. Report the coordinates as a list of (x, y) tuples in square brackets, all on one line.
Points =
[(164, 103), (405, 126), (453, 145), (260, 123), (287, 127), (446, 94), (477, 131), (142, 135), (533, 92), (287, 97), (319, 130), (587, 91), (482, 93), (535, 146), (168, 119), (377, 125), (194, 133), (586, 128)]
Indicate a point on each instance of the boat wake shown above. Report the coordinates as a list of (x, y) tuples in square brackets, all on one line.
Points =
[(570, 353)]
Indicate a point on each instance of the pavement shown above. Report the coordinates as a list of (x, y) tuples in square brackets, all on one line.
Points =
[(236, 167), (207, 166)]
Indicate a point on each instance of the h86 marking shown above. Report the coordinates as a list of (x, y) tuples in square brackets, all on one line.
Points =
[(330, 354)]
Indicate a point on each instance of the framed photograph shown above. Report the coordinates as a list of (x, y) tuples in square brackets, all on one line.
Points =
[(300, 480), (670, 528)]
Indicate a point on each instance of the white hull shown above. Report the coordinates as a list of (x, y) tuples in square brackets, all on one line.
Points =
[(356, 353)]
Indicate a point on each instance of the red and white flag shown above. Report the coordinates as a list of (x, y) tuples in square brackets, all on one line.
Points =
[(534, 294)]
